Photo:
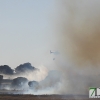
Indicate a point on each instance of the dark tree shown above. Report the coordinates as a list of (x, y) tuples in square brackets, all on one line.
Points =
[(24, 67), (5, 69), (33, 84), (19, 82)]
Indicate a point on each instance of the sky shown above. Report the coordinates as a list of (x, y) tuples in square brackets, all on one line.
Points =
[(26, 32)]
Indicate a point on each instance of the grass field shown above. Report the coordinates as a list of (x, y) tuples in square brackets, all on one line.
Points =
[(43, 97)]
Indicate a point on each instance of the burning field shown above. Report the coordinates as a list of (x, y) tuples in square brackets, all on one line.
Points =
[(77, 27)]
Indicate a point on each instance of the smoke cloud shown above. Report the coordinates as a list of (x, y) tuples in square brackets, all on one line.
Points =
[(28, 79), (49, 85), (52, 79), (78, 32), (78, 35)]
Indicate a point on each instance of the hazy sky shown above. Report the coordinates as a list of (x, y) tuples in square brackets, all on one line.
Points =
[(26, 32)]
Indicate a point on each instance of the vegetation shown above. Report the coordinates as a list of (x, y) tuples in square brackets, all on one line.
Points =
[(39, 97)]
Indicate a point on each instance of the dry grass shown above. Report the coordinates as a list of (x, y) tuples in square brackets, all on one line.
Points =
[(39, 97)]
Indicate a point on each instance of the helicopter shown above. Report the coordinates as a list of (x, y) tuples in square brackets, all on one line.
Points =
[(54, 52)]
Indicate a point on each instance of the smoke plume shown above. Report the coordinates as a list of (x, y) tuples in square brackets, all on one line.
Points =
[(77, 27), (27, 78), (80, 32), (52, 79)]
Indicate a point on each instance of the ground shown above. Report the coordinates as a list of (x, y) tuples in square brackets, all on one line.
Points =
[(42, 97)]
